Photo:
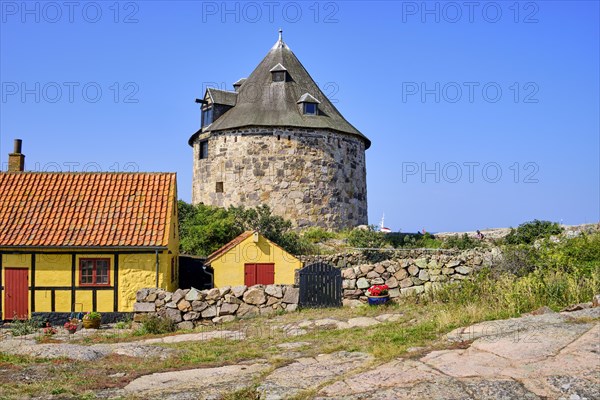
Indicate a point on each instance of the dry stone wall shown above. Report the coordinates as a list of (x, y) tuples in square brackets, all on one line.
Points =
[(191, 307), (312, 177), (481, 257), (406, 272)]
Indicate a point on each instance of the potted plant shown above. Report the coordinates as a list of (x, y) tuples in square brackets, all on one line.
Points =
[(71, 326), (92, 320), (378, 294)]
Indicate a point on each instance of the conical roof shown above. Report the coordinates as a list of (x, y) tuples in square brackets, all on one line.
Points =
[(262, 102)]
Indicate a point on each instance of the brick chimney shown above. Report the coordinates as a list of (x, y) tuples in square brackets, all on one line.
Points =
[(16, 160)]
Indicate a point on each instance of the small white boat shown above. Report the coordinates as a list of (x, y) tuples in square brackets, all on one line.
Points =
[(382, 227)]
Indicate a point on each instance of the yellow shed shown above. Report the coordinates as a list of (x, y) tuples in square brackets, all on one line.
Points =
[(84, 241), (252, 259)]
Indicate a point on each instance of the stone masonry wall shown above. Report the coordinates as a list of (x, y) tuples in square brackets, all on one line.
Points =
[(484, 257), (191, 307), (312, 177), (406, 272)]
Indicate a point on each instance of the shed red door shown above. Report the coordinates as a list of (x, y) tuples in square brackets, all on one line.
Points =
[(16, 292), (259, 274)]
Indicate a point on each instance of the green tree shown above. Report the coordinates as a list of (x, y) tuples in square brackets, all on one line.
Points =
[(262, 220), (204, 229), (273, 227)]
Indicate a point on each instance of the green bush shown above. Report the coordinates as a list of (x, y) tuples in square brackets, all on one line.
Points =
[(317, 235), (579, 254), (518, 260), (25, 327), (155, 325), (124, 323), (413, 240), (366, 238), (463, 242), (529, 232)]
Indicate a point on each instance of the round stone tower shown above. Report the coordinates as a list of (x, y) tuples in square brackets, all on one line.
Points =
[(277, 140)]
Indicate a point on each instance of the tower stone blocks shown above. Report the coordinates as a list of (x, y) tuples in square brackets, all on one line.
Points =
[(312, 177)]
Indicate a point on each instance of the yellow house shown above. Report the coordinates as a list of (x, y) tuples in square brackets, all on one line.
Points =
[(252, 259), (84, 241)]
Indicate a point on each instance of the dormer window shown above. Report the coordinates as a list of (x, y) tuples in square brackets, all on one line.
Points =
[(279, 73), (207, 115), (310, 108), (215, 103), (238, 84), (308, 104)]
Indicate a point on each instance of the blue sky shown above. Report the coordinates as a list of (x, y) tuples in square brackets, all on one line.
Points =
[(481, 115)]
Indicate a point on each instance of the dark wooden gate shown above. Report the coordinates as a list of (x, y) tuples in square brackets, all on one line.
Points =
[(320, 286)]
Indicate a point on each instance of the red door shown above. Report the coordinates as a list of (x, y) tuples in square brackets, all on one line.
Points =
[(16, 292), (259, 274), (249, 274)]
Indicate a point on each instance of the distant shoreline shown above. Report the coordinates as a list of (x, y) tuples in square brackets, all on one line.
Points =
[(496, 233)]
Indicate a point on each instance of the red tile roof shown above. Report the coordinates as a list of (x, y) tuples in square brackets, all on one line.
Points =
[(41, 209), (239, 239)]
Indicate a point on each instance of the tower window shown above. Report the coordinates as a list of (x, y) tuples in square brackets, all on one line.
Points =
[(308, 104), (204, 149), (310, 108), (207, 116), (278, 73), (279, 76), (219, 187)]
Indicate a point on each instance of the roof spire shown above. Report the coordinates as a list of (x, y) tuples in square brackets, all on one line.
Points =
[(280, 35)]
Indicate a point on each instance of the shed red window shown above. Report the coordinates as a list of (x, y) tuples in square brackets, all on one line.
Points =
[(94, 271)]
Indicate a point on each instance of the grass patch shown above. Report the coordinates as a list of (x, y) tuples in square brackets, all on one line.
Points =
[(14, 359), (250, 393), (218, 352)]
